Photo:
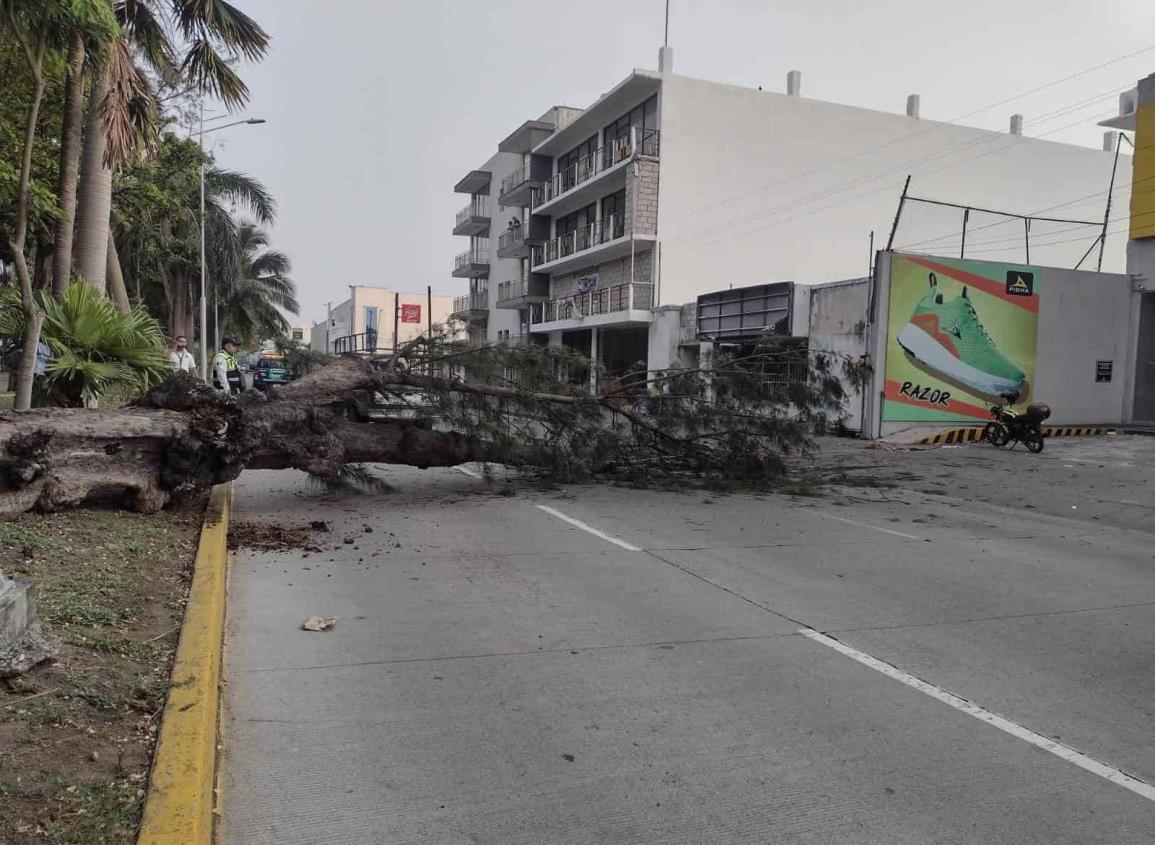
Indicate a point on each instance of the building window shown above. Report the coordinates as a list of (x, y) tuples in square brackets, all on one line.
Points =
[(371, 321), (298, 334), (614, 204), (573, 165), (641, 117)]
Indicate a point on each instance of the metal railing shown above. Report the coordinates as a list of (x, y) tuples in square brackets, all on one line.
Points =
[(478, 207), (364, 342), (511, 237), (515, 179), (476, 301), (514, 289), (477, 255), (600, 160), (599, 232), (605, 301)]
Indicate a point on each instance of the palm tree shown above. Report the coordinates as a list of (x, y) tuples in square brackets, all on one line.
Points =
[(212, 33), (37, 25), (254, 295)]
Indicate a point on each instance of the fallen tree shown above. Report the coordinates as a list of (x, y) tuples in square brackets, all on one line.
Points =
[(519, 406)]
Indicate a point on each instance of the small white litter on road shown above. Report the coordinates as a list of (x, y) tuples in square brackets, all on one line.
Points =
[(319, 623)]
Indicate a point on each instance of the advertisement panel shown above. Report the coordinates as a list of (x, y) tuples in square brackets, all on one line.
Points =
[(410, 313), (961, 336)]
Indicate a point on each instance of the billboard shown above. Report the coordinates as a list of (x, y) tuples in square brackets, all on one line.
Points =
[(961, 336), (410, 313)]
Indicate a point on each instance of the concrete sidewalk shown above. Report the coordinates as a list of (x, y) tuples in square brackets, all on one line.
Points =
[(502, 676)]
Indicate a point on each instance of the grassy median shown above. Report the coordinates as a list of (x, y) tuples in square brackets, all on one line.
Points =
[(76, 735)]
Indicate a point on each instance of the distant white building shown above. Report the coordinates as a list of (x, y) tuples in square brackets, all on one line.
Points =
[(365, 321), (590, 227)]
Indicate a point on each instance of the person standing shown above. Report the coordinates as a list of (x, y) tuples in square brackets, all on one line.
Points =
[(226, 372), (181, 359)]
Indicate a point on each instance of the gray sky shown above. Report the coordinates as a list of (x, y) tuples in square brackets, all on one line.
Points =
[(376, 108)]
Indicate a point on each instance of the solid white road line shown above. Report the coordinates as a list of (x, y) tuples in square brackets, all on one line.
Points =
[(577, 523), (1063, 752), (862, 524), (468, 472)]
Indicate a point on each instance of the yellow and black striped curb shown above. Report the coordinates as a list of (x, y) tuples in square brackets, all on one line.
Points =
[(972, 435), (179, 807)]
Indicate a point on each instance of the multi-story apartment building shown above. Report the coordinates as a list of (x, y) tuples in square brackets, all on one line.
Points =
[(592, 227)]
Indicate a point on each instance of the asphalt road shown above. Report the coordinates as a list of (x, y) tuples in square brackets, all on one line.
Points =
[(956, 646)]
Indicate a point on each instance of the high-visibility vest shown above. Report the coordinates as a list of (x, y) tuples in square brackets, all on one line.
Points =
[(233, 373)]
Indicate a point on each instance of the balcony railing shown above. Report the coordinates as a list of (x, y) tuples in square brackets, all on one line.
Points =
[(600, 160), (605, 301), (512, 290), (478, 207), (476, 301), (364, 342), (515, 179), (511, 238), (599, 232), (477, 255)]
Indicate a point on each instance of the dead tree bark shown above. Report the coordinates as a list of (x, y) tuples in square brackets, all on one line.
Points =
[(187, 436)]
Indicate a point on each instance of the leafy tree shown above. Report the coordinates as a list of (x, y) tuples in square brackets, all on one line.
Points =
[(36, 26)]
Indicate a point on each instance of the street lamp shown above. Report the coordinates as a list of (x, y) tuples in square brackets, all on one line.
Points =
[(252, 121)]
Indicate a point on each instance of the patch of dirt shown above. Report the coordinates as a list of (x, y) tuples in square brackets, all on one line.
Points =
[(273, 538), (77, 734)]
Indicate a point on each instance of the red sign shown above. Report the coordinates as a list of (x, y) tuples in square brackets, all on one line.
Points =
[(410, 313)]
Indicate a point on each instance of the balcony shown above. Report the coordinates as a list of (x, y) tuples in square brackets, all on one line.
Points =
[(619, 305), (472, 307), (517, 242), (521, 292), (472, 264), (364, 343), (517, 187), (603, 168), (474, 218), (602, 240)]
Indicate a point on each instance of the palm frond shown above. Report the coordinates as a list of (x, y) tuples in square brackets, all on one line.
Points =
[(210, 73), (200, 19), (148, 34), (242, 189), (129, 109)]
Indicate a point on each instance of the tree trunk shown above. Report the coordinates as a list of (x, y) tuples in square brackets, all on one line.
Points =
[(94, 200), (42, 275), (179, 314), (116, 288), (70, 146), (33, 316), (191, 437)]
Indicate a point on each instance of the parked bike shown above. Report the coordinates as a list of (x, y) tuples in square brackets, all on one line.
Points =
[(1008, 426)]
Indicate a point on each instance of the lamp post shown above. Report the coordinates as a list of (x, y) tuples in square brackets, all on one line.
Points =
[(252, 121)]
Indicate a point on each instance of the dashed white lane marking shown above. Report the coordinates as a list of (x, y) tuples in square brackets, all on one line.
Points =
[(863, 524), (1063, 752), (466, 471), (577, 523)]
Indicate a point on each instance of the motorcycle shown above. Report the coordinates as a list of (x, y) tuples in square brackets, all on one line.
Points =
[(1008, 426)]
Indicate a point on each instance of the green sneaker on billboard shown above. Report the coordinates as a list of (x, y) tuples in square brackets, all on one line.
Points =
[(949, 340)]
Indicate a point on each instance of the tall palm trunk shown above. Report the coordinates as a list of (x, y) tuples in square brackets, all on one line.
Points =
[(116, 288), (94, 200), (70, 146)]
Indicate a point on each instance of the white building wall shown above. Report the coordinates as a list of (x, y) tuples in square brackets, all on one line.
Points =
[(751, 188)]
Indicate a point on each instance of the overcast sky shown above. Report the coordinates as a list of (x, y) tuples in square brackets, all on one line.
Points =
[(377, 107)]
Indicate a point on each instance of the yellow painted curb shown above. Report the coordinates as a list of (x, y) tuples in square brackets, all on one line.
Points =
[(179, 807)]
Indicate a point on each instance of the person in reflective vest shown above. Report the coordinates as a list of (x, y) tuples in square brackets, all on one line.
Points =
[(226, 374)]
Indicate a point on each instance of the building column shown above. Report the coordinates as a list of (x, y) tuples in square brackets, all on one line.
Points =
[(594, 359)]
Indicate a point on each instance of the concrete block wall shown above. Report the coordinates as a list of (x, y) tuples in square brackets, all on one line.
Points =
[(642, 196), (610, 274)]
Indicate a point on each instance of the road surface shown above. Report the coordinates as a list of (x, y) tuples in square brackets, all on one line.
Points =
[(962, 655)]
